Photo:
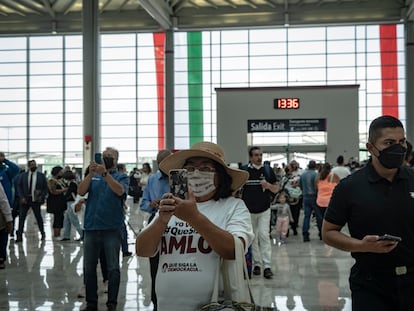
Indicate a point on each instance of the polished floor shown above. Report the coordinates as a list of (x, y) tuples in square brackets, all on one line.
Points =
[(48, 275)]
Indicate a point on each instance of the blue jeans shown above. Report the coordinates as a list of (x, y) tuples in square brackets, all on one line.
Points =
[(309, 205), (124, 235), (71, 219), (93, 243)]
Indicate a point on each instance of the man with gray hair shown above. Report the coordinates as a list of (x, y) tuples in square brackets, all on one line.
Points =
[(104, 217)]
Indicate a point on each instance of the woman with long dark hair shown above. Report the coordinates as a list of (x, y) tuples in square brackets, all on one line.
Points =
[(56, 200)]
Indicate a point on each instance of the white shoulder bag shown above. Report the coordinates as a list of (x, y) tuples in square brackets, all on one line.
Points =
[(236, 285)]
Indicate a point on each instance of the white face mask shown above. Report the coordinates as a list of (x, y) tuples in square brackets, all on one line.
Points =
[(201, 183)]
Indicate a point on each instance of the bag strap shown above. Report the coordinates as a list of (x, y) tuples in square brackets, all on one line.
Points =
[(240, 275), (214, 295)]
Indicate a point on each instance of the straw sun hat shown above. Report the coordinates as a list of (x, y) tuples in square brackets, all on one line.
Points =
[(208, 150)]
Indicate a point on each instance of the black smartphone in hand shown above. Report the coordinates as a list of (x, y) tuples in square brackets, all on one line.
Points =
[(98, 157), (389, 237), (179, 183)]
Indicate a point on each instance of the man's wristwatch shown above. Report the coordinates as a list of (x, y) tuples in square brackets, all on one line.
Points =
[(104, 174)]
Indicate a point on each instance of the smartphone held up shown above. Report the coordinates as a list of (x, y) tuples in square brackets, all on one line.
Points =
[(98, 157), (389, 237), (179, 183)]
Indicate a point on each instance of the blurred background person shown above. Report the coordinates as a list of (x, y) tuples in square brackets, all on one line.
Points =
[(157, 186), (8, 173), (6, 226), (325, 181), (341, 170), (146, 172), (32, 190), (70, 216), (56, 200)]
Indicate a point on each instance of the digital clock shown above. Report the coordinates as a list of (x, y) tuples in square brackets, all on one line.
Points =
[(286, 103)]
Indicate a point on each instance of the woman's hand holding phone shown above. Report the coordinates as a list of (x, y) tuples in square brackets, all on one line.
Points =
[(166, 207)]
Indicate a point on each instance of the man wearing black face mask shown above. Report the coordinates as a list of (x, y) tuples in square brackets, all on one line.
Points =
[(32, 190), (376, 200), (104, 217)]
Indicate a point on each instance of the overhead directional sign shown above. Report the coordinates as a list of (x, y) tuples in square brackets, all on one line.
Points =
[(286, 125)]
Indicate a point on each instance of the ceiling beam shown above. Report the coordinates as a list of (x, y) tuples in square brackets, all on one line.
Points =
[(211, 3), (178, 5), (35, 6), (410, 10), (69, 6), (123, 4), (230, 3), (48, 8), (270, 3), (187, 18), (195, 5), (157, 12), (103, 7), (13, 7), (251, 4)]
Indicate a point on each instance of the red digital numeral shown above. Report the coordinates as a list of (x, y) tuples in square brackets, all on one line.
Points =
[(288, 103)]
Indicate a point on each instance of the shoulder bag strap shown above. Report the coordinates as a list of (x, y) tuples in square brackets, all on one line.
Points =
[(235, 276)]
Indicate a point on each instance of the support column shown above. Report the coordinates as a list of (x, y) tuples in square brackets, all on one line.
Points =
[(169, 90), (409, 80), (91, 71)]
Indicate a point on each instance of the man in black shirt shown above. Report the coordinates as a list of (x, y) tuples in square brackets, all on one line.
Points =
[(376, 200), (257, 196)]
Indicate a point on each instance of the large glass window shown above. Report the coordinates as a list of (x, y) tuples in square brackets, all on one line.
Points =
[(41, 89)]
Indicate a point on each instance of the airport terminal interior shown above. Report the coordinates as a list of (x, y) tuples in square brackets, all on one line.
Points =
[(160, 63), (47, 275)]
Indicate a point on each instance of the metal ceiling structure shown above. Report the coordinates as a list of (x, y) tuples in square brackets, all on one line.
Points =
[(65, 16)]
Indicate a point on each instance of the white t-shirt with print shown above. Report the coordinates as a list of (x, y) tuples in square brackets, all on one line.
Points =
[(186, 271)]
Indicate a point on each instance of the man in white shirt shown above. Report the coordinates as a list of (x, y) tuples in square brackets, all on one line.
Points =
[(340, 169)]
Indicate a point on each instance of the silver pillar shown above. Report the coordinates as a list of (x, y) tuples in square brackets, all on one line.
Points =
[(91, 70), (169, 90)]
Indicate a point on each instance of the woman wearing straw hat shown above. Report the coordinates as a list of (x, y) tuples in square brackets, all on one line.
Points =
[(192, 234)]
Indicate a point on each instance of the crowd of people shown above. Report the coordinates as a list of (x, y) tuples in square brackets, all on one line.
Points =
[(254, 203)]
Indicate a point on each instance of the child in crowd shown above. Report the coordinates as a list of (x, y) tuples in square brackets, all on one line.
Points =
[(284, 217)]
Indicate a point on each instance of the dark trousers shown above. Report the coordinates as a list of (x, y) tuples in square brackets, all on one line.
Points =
[(96, 241), (322, 211), (58, 218), (154, 261), (4, 238), (380, 290), (24, 208), (309, 206), (15, 212), (102, 263), (295, 210)]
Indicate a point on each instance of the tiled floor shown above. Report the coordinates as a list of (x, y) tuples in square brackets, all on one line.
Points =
[(47, 275)]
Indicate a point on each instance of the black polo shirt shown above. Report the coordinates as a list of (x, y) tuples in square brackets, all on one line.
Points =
[(371, 205), (257, 200)]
